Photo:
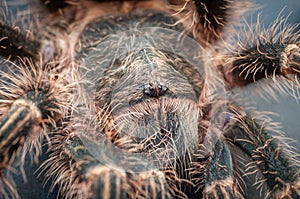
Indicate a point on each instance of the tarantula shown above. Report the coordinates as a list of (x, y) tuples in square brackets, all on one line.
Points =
[(135, 99)]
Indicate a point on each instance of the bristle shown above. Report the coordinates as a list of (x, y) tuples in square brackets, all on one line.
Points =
[(206, 20), (26, 32), (8, 187), (16, 37), (220, 189), (144, 145), (32, 101), (278, 165), (82, 174), (13, 43), (265, 53), (19, 80)]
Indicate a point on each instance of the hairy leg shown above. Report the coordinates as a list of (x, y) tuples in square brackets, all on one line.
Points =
[(31, 103), (264, 53), (82, 174), (272, 162)]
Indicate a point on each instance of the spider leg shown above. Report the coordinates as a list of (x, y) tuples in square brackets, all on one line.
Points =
[(219, 173), (13, 43), (54, 5), (264, 53), (30, 104), (19, 124), (278, 166), (207, 20), (217, 168), (21, 34), (80, 173), (15, 40)]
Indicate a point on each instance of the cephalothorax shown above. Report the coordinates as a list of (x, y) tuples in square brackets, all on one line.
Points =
[(133, 99)]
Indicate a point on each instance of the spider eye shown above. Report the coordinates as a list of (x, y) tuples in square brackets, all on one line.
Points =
[(155, 90)]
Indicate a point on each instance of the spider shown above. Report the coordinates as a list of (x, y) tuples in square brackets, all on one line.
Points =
[(136, 99)]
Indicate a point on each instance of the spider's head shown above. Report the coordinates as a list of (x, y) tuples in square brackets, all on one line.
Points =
[(149, 104)]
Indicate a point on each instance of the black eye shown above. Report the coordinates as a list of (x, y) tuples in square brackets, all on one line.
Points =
[(162, 89), (155, 90)]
